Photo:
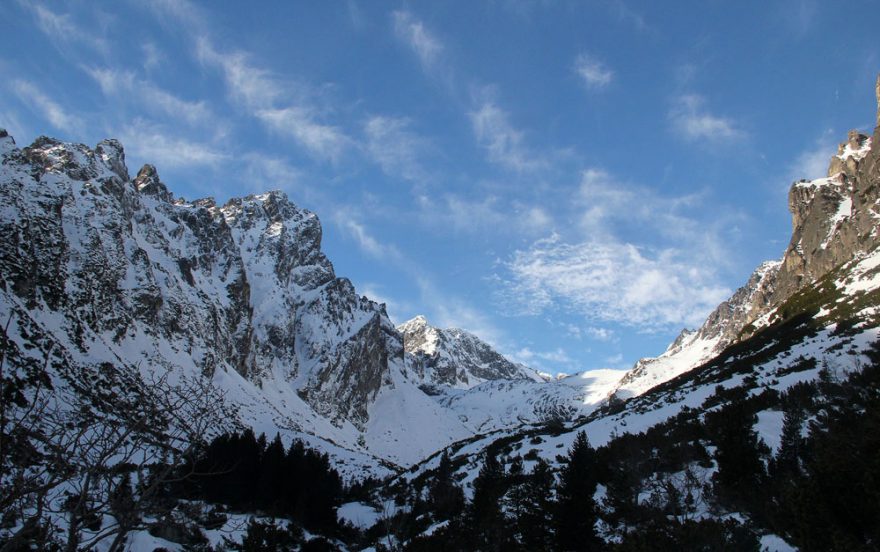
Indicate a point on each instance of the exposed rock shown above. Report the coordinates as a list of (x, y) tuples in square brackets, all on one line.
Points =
[(244, 287), (834, 220), (454, 357), (147, 182)]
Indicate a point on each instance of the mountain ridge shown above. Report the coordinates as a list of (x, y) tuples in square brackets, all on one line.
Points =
[(833, 220)]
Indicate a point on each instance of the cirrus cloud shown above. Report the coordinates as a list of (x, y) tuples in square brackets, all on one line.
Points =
[(613, 282), (592, 71)]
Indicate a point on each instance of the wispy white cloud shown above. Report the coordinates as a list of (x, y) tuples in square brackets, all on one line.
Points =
[(280, 104), (503, 142), (125, 85), (669, 278), (607, 205), (30, 95), (592, 71), (181, 12), (153, 56), (165, 149), (414, 33), (253, 86), (613, 281), (482, 215), (397, 150), (599, 334), (348, 221), (266, 99), (321, 140), (693, 121), (61, 28)]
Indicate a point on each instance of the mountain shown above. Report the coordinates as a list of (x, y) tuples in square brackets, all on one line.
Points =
[(816, 311), (834, 220), (754, 432), (455, 358), (488, 392), (115, 273), (103, 268)]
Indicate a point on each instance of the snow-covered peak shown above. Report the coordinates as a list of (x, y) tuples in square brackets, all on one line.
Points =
[(113, 271), (834, 220), (455, 358)]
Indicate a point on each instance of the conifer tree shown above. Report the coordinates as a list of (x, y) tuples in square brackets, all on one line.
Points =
[(739, 451), (576, 510), (485, 517), (787, 461), (531, 502), (445, 497)]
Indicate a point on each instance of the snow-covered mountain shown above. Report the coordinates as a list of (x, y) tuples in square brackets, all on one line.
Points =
[(455, 358), (109, 269), (834, 220), (102, 271), (489, 392), (814, 314)]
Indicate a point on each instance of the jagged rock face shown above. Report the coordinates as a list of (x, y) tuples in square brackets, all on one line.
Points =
[(834, 220), (98, 257), (454, 357)]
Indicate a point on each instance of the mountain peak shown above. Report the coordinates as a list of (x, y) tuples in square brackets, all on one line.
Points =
[(147, 182), (455, 358), (418, 321)]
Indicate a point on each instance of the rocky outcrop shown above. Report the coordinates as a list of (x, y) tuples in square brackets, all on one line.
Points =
[(103, 259), (834, 220), (454, 357)]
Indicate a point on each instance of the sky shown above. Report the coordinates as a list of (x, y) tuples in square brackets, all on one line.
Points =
[(572, 181)]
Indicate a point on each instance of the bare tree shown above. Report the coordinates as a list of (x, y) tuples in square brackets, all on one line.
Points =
[(92, 461)]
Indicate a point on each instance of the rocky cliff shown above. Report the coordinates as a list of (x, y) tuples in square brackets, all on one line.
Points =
[(115, 270), (454, 357), (834, 220)]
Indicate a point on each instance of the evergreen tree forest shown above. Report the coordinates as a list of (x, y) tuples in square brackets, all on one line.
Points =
[(703, 480), (251, 474)]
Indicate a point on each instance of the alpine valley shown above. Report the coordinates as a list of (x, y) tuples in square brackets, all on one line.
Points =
[(149, 340)]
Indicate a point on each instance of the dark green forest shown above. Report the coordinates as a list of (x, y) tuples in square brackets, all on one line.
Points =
[(702, 480)]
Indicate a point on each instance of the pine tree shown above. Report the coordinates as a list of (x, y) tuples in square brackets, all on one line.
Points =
[(576, 510), (787, 462), (485, 517), (445, 497), (739, 451), (272, 475), (531, 502)]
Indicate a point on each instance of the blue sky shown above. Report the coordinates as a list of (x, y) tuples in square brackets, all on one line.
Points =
[(573, 181)]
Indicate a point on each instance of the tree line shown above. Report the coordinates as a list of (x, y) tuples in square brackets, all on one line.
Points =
[(702, 480)]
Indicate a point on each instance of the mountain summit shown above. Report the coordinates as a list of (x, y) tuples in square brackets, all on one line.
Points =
[(454, 357), (834, 221)]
